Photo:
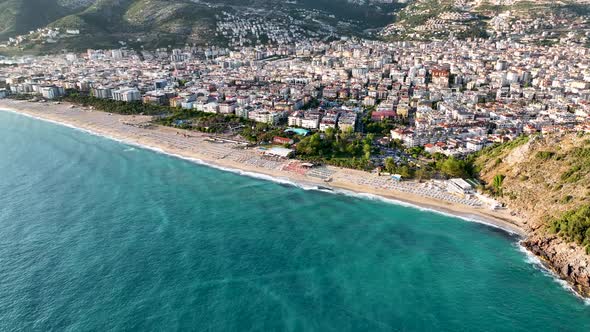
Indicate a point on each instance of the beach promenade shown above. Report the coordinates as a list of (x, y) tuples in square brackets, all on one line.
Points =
[(238, 158)]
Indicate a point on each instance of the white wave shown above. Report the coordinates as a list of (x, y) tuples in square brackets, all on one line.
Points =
[(336, 191), (54, 122), (284, 181), (422, 208), (530, 258)]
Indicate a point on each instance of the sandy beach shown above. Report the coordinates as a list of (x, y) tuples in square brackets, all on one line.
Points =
[(250, 161)]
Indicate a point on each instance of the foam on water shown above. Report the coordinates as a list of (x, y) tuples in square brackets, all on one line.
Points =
[(279, 180), (535, 261), (529, 257), (314, 187), (192, 247)]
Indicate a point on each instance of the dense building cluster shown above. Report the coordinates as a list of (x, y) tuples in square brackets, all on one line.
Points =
[(255, 29), (538, 21), (452, 97), (41, 36)]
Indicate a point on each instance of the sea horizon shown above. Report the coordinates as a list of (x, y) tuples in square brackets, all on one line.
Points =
[(398, 228)]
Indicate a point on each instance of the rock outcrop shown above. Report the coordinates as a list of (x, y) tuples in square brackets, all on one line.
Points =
[(567, 260)]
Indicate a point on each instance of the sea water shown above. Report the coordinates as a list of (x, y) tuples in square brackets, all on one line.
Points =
[(97, 235)]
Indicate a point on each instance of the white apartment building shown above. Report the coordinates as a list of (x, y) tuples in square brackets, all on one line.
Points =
[(126, 94)]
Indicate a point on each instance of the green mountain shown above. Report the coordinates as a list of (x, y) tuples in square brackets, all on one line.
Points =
[(20, 16), (154, 23), (158, 23), (436, 19)]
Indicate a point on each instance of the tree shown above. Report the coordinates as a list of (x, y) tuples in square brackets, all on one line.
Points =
[(347, 134), (574, 226), (415, 151), (497, 183), (315, 144), (406, 172), (396, 144), (390, 165), (456, 168), (422, 174), (367, 150), (331, 133)]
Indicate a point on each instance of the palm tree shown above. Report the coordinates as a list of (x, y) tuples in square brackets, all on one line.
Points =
[(497, 183)]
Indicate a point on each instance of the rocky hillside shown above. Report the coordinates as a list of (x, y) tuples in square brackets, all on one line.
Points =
[(546, 180), (544, 176)]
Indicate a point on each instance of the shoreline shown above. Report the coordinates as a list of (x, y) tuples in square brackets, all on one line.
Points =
[(62, 115), (547, 268)]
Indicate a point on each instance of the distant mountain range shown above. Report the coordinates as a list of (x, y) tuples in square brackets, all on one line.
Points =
[(158, 23), (164, 22)]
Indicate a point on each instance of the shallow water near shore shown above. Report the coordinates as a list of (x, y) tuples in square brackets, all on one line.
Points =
[(97, 235)]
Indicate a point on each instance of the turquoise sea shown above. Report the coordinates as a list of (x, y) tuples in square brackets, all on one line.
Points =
[(96, 235)]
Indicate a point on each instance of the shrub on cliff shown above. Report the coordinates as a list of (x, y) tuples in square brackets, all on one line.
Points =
[(574, 226), (545, 155)]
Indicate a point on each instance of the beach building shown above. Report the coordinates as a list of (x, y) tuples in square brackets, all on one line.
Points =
[(242, 112), (278, 152), (51, 91), (126, 94), (311, 120), (459, 186), (212, 107), (155, 97), (117, 54), (102, 93), (295, 119), (282, 140), (227, 108), (265, 116)]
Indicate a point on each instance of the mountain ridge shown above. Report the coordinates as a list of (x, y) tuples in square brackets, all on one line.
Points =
[(162, 23)]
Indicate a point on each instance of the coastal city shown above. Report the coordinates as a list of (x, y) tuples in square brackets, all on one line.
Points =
[(453, 97), (309, 165), (396, 106)]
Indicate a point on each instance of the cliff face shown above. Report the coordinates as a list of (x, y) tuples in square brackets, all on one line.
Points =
[(567, 260), (544, 178)]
